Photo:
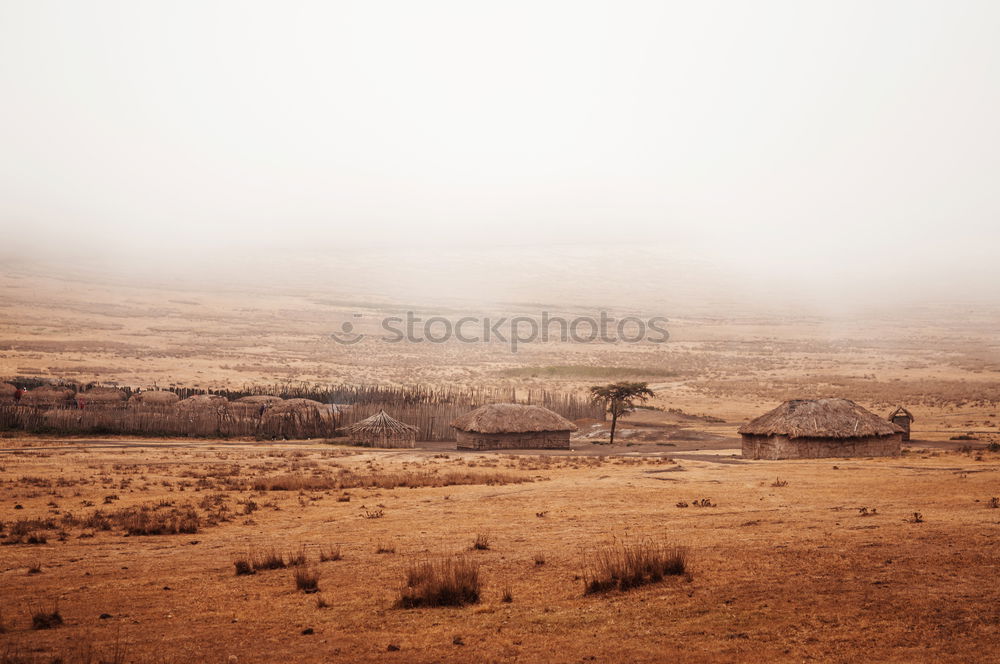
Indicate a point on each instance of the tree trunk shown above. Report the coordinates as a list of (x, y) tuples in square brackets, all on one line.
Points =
[(614, 423)]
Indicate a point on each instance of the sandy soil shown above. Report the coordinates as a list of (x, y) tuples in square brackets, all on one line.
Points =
[(778, 572), (792, 572)]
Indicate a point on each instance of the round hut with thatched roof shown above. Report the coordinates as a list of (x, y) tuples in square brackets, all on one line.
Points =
[(511, 426), (48, 396), (299, 418), (381, 430), (817, 428), (254, 405), (203, 403), (104, 398), (153, 399)]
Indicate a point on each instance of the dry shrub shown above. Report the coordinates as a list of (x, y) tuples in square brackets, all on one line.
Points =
[(297, 558), (482, 542), (451, 581), (348, 479), (244, 566), (144, 520), (270, 559), (46, 619), (621, 566), (330, 554), (307, 579)]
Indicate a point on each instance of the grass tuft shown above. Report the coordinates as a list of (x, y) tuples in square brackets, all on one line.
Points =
[(621, 566), (451, 581)]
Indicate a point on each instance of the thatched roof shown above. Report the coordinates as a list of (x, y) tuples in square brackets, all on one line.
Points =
[(381, 424), (511, 418), (259, 399), (203, 402), (290, 405), (155, 398), (819, 418), (47, 395), (901, 411), (102, 395)]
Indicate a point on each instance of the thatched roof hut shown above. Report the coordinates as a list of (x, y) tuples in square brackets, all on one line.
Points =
[(101, 397), (260, 399), (203, 403), (381, 430), (254, 405), (299, 418), (48, 396), (8, 393), (512, 426), (814, 428), (154, 399), (902, 418)]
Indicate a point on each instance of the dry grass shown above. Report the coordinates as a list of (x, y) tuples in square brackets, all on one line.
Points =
[(328, 554), (412, 479), (307, 579), (46, 619), (451, 581), (622, 566)]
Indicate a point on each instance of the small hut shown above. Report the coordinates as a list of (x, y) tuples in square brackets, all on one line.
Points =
[(254, 405), (816, 428), (902, 418), (299, 418), (153, 399), (48, 396), (381, 430), (202, 403), (504, 426), (104, 398), (8, 393)]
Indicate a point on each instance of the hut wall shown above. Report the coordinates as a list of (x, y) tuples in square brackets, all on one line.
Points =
[(904, 423), (383, 440), (555, 440), (783, 447)]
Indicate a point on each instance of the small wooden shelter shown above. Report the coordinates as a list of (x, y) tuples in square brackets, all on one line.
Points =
[(816, 428), (501, 426), (382, 430), (902, 418)]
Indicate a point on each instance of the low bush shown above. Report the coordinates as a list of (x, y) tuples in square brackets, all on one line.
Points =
[(621, 566), (448, 582)]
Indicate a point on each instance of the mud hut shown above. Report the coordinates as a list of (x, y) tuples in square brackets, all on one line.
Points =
[(104, 398), (153, 399), (299, 418), (200, 403), (255, 405), (505, 426), (8, 393), (902, 418), (48, 396), (816, 428), (381, 430)]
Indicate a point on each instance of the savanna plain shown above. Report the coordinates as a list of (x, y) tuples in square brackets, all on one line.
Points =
[(120, 549)]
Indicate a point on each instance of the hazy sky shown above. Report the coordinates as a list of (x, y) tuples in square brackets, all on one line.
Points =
[(806, 142)]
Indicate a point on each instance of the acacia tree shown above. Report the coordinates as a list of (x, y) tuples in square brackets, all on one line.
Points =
[(619, 399)]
